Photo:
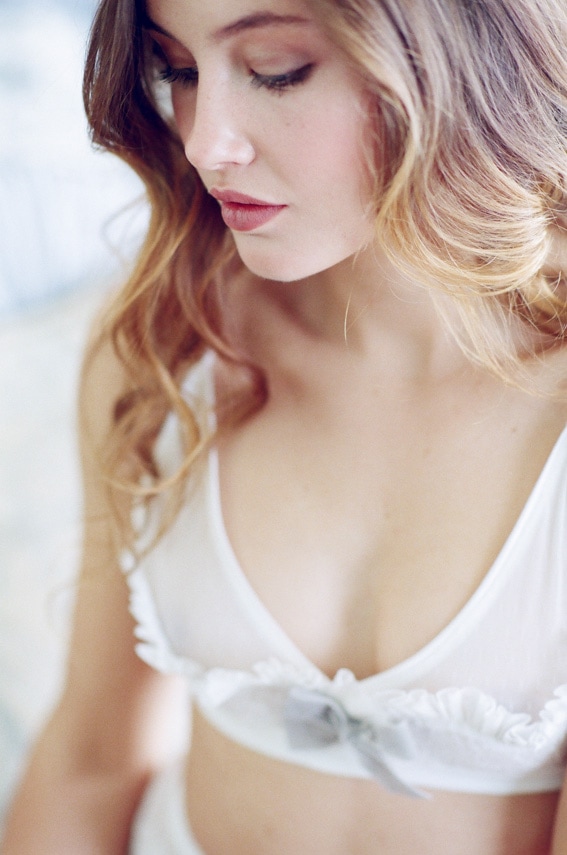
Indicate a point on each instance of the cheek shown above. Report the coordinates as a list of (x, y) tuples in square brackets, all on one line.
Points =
[(337, 136), (340, 167)]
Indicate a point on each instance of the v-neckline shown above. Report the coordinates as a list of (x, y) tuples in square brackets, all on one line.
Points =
[(429, 654)]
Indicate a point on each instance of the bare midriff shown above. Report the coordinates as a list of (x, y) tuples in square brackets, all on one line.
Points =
[(243, 803)]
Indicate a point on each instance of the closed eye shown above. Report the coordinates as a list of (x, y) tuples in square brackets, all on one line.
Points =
[(185, 76), (189, 76), (281, 82)]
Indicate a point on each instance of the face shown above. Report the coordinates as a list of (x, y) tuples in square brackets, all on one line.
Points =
[(273, 120)]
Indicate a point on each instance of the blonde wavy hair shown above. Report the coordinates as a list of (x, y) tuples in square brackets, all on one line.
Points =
[(469, 159)]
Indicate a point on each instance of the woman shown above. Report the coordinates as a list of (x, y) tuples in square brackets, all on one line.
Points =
[(324, 440)]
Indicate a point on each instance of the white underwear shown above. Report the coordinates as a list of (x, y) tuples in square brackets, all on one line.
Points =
[(160, 825)]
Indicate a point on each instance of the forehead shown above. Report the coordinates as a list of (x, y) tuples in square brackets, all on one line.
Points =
[(223, 19)]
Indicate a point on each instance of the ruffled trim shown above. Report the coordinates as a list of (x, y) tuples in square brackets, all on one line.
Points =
[(153, 646), (482, 714), (467, 710)]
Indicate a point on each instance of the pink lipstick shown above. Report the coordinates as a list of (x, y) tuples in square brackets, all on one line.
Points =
[(243, 213)]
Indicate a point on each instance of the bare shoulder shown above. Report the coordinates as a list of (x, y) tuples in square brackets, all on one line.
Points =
[(551, 377), (103, 381)]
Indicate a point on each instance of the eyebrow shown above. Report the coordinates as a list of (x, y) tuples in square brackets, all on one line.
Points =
[(255, 21), (248, 22)]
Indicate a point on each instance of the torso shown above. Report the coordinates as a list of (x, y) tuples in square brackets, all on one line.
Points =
[(241, 802), (365, 510), (394, 505)]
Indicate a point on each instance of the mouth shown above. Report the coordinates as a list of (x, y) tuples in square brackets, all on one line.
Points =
[(242, 213)]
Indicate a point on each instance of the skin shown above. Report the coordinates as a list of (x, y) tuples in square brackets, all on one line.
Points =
[(276, 138), (351, 349)]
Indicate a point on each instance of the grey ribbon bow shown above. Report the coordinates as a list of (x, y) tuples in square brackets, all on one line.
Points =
[(314, 720)]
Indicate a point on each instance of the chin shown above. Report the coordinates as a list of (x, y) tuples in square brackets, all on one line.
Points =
[(277, 270), (288, 266)]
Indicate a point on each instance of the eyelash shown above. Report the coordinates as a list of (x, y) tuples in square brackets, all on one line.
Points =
[(188, 77)]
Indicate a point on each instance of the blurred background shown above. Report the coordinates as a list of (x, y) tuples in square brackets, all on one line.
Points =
[(70, 220)]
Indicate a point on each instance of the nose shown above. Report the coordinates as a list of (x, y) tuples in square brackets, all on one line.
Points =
[(215, 135)]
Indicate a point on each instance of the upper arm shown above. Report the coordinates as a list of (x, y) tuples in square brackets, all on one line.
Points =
[(117, 710), (116, 717)]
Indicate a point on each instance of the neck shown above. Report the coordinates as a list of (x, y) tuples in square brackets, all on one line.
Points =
[(368, 308)]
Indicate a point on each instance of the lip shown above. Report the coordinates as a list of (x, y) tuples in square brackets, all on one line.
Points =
[(243, 213)]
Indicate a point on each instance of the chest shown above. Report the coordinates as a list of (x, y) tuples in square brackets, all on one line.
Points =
[(366, 533)]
